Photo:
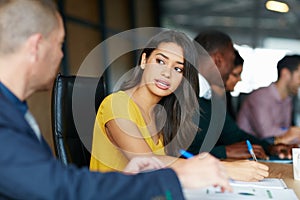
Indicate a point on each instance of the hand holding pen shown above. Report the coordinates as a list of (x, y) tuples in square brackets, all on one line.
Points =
[(239, 150), (250, 149), (256, 151), (206, 169)]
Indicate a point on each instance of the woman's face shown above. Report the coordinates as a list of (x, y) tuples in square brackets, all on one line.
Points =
[(163, 69), (234, 77)]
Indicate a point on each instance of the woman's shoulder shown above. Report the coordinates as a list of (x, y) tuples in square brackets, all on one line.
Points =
[(117, 99), (118, 104), (117, 96)]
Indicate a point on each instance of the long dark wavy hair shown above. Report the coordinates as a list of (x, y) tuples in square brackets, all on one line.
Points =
[(181, 106)]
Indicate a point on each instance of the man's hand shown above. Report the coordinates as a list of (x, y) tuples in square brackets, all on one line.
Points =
[(240, 150), (139, 164), (283, 151), (292, 136), (201, 171)]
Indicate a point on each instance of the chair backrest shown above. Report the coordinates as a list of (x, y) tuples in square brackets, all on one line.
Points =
[(68, 145)]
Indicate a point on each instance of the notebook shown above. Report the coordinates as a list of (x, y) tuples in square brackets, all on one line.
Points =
[(268, 183), (240, 193), (275, 159)]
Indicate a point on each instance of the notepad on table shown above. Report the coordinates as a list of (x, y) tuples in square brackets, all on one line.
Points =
[(271, 183), (240, 193), (275, 159)]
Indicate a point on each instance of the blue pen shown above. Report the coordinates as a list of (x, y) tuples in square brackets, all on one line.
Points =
[(185, 153), (250, 149)]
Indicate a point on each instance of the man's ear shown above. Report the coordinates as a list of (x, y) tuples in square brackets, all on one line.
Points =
[(33, 46), (285, 74), (217, 57)]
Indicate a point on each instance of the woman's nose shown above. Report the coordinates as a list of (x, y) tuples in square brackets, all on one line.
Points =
[(166, 71)]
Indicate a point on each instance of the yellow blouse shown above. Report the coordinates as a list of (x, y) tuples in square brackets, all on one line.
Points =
[(105, 155)]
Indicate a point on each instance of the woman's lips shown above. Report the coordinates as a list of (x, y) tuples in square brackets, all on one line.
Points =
[(164, 85)]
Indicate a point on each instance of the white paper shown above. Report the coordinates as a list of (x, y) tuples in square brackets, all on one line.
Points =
[(212, 193), (268, 183), (296, 163)]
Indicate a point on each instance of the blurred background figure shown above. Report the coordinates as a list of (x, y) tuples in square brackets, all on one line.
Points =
[(267, 112), (233, 79), (231, 141), (228, 141)]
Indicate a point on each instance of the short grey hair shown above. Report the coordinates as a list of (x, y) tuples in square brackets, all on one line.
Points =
[(19, 19)]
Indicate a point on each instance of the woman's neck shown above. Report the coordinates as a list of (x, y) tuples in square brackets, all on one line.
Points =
[(146, 103), (143, 98)]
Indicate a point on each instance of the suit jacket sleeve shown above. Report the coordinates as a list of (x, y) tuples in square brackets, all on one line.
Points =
[(29, 171), (204, 141), (230, 134)]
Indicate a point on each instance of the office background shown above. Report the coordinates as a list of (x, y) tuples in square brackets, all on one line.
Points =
[(89, 22)]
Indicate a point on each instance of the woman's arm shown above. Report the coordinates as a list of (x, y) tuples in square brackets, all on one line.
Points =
[(126, 136)]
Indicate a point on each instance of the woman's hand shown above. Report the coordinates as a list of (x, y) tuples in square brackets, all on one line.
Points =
[(202, 170), (246, 170)]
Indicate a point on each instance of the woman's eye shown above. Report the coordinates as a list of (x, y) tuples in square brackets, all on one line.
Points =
[(159, 61), (178, 69)]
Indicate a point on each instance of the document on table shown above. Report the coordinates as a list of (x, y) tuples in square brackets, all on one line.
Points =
[(269, 183), (282, 161), (268, 188), (278, 161), (239, 192)]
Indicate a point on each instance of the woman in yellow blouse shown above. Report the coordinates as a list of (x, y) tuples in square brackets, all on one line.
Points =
[(152, 113)]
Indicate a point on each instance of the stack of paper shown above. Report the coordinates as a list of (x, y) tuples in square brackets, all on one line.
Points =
[(269, 188), (268, 183)]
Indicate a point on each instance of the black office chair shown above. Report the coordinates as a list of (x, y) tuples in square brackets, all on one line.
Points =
[(69, 146)]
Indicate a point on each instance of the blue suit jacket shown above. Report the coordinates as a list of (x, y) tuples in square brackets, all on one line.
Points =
[(28, 170)]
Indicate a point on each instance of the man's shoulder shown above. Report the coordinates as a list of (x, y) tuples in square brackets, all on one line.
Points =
[(257, 96), (5, 105), (9, 114), (260, 92), (262, 89)]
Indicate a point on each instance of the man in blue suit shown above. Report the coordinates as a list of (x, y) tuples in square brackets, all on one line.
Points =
[(31, 35)]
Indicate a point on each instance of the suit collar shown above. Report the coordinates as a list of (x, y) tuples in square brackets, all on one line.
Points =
[(10, 114), (20, 105)]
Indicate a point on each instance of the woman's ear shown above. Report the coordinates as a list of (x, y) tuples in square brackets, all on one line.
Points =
[(143, 61)]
